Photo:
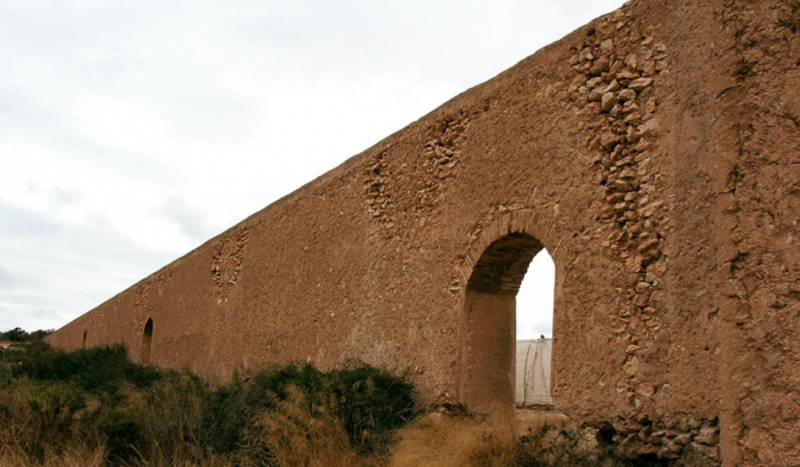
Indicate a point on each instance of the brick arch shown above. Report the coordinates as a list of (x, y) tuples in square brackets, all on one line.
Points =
[(502, 266), (499, 260)]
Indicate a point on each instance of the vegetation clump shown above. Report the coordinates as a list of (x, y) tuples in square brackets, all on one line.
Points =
[(98, 406), (94, 407)]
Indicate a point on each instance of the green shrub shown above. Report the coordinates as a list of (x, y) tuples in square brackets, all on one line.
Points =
[(371, 403), (95, 369), (53, 403), (20, 335)]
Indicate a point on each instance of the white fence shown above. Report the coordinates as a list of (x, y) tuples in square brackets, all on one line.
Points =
[(533, 372)]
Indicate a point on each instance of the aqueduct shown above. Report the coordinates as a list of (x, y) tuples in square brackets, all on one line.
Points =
[(653, 152)]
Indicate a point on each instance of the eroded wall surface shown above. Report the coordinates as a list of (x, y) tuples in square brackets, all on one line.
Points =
[(653, 153)]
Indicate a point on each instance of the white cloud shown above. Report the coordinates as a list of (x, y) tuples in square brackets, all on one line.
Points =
[(535, 298)]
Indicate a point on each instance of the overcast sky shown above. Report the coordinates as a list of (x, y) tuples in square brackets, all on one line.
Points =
[(131, 132)]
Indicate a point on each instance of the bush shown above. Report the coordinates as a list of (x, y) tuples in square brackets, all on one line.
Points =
[(95, 369), (91, 401), (20, 335), (371, 403)]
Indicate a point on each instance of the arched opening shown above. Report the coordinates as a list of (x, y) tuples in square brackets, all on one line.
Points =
[(534, 316), (147, 341), (488, 376), (83, 341)]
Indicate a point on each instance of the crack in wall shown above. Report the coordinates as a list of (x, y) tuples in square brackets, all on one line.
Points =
[(762, 42)]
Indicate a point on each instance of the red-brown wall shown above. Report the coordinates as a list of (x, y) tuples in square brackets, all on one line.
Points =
[(672, 221)]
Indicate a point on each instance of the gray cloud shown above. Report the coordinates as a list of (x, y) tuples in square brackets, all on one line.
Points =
[(19, 222), (6, 280), (191, 219), (57, 196)]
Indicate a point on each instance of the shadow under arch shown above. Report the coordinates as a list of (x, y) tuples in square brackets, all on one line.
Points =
[(147, 341), (489, 347)]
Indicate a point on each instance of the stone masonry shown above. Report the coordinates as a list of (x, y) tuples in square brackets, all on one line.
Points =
[(655, 153)]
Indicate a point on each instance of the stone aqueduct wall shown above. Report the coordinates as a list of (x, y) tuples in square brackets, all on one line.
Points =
[(653, 152)]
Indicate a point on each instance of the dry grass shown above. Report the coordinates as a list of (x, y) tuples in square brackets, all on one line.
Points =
[(13, 456), (532, 419), (296, 433), (95, 408), (300, 435), (442, 439), (524, 438)]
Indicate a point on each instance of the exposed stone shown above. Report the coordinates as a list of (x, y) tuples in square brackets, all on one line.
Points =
[(631, 61), (630, 107), (622, 185), (612, 86), (631, 135), (640, 84), (700, 456), (648, 67), (575, 84), (627, 95), (647, 450), (633, 118), (708, 435), (649, 127), (609, 139), (631, 366), (600, 65), (648, 245), (594, 82), (615, 197), (650, 106), (595, 95), (616, 67), (669, 451), (609, 100)]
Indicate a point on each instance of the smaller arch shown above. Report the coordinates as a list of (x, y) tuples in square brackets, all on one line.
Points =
[(147, 341)]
